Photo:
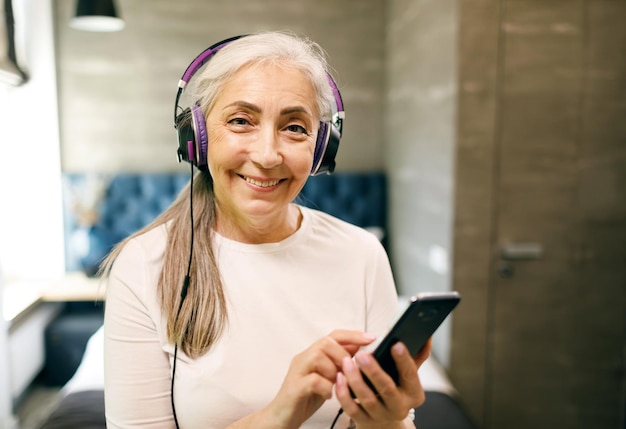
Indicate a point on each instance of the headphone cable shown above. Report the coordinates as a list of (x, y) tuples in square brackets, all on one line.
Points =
[(339, 413), (183, 294)]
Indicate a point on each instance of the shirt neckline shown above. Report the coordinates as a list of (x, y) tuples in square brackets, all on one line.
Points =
[(289, 241)]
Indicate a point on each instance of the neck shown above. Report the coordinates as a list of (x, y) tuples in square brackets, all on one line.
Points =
[(261, 229)]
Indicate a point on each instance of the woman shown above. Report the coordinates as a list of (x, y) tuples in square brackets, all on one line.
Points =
[(278, 298)]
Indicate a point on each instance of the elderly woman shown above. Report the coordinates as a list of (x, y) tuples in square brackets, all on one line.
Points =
[(238, 308)]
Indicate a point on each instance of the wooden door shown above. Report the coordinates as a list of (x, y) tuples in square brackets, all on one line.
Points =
[(557, 297)]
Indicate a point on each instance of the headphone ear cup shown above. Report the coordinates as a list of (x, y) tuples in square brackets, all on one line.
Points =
[(201, 135), (186, 137), (320, 146), (326, 146)]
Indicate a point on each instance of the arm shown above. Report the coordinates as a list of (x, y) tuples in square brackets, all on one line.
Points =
[(137, 369)]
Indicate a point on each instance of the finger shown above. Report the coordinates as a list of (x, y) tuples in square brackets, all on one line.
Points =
[(424, 353), (326, 355), (322, 357), (347, 402), (351, 341), (408, 376), (347, 337), (319, 386), (329, 348), (366, 396), (322, 363)]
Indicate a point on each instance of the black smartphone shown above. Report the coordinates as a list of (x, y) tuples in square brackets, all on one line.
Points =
[(414, 326)]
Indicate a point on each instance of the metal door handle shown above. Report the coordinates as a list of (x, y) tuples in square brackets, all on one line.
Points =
[(521, 251)]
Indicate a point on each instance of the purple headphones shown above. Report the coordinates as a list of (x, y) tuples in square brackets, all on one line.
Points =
[(193, 139)]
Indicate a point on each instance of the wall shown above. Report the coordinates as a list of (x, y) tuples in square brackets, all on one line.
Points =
[(420, 145), (116, 91), (31, 227)]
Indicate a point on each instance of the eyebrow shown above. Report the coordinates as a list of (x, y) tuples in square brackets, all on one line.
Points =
[(295, 109), (257, 109)]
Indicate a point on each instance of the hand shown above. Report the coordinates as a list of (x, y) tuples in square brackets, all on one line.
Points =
[(311, 376), (392, 405)]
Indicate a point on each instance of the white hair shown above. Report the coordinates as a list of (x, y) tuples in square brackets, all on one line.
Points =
[(278, 48)]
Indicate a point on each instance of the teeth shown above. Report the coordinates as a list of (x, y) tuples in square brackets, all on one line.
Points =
[(261, 184)]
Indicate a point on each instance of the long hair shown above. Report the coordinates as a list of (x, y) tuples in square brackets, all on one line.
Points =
[(203, 315)]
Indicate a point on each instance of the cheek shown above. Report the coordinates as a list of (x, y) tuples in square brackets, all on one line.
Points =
[(219, 150), (304, 158)]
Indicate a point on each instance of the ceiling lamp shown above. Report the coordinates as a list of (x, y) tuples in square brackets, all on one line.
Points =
[(96, 15)]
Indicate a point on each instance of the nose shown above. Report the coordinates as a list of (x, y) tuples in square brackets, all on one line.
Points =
[(266, 151)]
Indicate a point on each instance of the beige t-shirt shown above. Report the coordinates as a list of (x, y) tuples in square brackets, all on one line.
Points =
[(282, 297)]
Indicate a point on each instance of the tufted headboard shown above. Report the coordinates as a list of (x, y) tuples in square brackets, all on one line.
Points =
[(99, 211)]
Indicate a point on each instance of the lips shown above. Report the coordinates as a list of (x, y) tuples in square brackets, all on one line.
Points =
[(261, 183)]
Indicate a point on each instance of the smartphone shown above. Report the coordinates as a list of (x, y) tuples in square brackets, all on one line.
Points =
[(422, 316)]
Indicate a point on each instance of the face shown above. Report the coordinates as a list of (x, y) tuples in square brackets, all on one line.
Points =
[(262, 130)]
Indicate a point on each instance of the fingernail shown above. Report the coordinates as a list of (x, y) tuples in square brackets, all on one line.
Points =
[(348, 365), (341, 380), (364, 359), (399, 349), (368, 336)]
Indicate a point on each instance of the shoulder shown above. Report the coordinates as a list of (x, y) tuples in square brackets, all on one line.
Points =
[(150, 244), (326, 226), (143, 252)]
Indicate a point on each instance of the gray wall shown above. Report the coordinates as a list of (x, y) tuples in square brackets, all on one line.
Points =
[(116, 90), (420, 145)]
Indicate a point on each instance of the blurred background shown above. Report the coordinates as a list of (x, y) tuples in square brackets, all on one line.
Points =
[(499, 126)]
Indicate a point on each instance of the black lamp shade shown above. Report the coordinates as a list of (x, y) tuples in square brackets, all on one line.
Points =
[(96, 15)]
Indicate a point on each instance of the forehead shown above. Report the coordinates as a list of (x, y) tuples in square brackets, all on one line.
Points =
[(270, 82)]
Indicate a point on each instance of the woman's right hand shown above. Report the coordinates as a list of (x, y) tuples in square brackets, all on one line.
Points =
[(310, 378)]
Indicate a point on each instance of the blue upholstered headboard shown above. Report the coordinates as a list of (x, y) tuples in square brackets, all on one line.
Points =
[(100, 211)]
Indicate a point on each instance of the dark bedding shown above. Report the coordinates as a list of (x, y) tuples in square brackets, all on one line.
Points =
[(441, 411), (85, 410)]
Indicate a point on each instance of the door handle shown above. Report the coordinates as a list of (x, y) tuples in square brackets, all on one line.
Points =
[(521, 251)]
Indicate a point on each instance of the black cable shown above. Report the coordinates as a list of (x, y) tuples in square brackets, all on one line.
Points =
[(339, 413), (183, 295), (172, 387)]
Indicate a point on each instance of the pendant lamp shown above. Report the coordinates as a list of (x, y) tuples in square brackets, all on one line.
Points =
[(96, 15)]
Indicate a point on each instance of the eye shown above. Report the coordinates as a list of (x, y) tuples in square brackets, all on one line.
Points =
[(294, 128), (239, 121)]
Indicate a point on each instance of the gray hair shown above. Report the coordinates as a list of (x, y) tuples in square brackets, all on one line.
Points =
[(278, 48)]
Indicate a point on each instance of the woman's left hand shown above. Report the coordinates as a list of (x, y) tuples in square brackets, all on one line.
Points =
[(393, 402)]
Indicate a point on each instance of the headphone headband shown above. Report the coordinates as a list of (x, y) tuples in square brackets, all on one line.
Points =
[(196, 64), (192, 130)]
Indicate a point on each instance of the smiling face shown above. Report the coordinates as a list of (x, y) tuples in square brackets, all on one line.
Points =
[(262, 131)]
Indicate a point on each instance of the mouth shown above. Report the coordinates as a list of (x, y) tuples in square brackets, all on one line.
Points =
[(261, 183)]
